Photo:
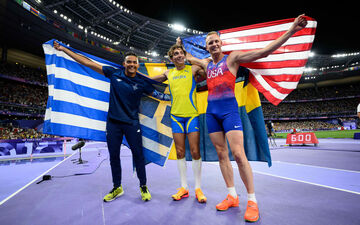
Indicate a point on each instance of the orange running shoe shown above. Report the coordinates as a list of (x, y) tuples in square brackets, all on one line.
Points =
[(200, 195), (182, 193), (229, 201), (252, 212)]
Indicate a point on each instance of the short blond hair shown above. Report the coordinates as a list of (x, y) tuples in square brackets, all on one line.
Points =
[(211, 33), (172, 49)]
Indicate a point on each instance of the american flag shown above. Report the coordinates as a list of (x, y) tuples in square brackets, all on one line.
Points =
[(278, 74)]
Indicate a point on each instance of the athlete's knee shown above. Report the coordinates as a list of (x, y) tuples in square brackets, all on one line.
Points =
[(222, 153), (180, 153), (240, 159), (138, 154), (237, 157), (195, 151), (195, 154)]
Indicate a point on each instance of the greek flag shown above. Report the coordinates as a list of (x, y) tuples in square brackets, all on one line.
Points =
[(79, 100)]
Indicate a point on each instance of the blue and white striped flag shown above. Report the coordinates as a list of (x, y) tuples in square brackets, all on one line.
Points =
[(79, 100)]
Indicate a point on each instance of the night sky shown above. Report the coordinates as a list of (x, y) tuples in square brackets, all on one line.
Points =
[(337, 30)]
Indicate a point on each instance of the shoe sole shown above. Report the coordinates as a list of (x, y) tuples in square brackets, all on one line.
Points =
[(146, 199), (226, 208), (114, 198), (184, 196), (253, 221)]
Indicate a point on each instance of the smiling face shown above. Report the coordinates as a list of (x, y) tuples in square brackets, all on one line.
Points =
[(131, 65), (178, 56), (213, 43)]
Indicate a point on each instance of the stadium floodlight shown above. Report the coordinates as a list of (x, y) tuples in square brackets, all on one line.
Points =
[(178, 27)]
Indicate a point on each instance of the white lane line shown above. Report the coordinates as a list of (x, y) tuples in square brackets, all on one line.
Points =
[(16, 192), (297, 180), (322, 167), (306, 182)]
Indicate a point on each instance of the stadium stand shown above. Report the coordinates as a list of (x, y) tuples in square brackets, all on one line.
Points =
[(328, 90)]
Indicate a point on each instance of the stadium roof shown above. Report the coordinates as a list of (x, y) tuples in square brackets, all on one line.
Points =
[(113, 24)]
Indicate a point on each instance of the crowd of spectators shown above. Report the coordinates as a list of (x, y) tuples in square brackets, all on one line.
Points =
[(28, 99), (311, 109), (24, 72), (340, 91), (304, 125), (21, 133), (22, 93)]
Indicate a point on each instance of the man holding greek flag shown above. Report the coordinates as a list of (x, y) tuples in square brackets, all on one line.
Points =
[(126, 90)]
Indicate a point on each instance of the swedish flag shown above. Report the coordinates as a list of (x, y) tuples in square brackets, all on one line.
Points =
[(255, 137)]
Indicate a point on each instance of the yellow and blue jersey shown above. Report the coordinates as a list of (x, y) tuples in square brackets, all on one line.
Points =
[(182, 87)]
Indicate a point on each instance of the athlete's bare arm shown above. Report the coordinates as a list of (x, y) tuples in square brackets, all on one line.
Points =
[(162, 77), (198, 73), (79, 58), (237, 57)]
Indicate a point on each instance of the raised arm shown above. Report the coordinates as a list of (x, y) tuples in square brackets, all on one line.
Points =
[(193, 60), (79, 58), (237, 57)]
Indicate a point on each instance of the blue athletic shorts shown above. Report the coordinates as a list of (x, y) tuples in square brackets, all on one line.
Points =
[(184, 125), (223, 122)]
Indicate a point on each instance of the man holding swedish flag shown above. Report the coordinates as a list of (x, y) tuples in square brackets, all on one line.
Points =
[(184, 117)]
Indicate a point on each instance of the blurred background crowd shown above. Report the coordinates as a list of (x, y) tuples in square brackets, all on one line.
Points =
[(24, 93)]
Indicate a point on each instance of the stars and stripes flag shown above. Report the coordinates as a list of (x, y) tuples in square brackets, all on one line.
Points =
[(276, 75)]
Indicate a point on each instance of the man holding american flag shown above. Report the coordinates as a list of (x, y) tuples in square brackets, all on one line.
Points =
[(222, 116)]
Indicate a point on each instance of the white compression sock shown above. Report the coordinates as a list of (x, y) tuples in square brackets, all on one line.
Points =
[(182, 170), (196, 166), (251, 197), (232, 191)]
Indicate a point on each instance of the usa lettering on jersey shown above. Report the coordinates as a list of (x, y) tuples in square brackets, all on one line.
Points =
[(214, 73)]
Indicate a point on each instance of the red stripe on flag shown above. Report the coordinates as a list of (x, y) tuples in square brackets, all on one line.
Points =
[(275, 64), (265, 37), (261, 25), (284, 49), (280, 89), (265, 92), (283, 77)]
